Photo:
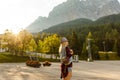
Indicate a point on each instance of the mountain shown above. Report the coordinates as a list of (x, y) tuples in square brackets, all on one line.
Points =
[(81, 23), (75, 9), (68, 25), (115, 18)]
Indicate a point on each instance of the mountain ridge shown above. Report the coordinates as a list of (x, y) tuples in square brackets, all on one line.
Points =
[(75, 9), (79, 23)]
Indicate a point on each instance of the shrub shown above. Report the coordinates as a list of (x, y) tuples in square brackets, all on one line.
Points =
[(35, 64), (108, 55), (46, 63)]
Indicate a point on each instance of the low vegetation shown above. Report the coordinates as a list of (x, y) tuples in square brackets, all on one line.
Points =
[(9, 58), (101, 35)]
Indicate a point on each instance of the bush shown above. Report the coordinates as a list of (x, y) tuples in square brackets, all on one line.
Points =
[(35, 64), (46, 63), (108, 55)]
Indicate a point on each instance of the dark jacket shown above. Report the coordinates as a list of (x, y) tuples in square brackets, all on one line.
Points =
[(64, 68)]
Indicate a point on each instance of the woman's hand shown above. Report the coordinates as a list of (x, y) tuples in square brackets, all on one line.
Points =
[(71, 51)]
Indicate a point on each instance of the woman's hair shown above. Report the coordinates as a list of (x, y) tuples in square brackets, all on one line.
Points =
[(60, 48), (63, 39)]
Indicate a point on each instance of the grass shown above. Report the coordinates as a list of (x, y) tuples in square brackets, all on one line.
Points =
[(9, 58), (48, 59)]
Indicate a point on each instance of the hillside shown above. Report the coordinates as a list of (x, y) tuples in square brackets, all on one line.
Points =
[(60, 28), (75, 9), (83, 23), (109, 19)]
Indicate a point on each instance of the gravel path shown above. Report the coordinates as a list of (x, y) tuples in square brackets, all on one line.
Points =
[(97, 70)]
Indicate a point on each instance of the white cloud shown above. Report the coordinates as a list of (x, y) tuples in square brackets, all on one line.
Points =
[(119, 0)]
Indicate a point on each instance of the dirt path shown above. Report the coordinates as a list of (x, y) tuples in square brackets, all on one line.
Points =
[(97, 70)]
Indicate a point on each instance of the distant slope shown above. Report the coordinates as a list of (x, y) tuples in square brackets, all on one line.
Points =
[(75, 9), (80, 23), (69, 25), (36, 25), (115, 18)]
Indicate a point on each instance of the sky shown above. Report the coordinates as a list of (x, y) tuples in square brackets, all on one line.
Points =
[(18, 14)]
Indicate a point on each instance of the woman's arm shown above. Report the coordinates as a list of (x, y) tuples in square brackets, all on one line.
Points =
[(68, 52)]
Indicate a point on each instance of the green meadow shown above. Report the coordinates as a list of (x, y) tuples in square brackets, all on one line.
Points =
[(9, 58)]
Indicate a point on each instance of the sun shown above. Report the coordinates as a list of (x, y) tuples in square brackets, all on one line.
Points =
[(15, 31)]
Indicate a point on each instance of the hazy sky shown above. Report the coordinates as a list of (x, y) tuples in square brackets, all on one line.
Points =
[(17, 14)]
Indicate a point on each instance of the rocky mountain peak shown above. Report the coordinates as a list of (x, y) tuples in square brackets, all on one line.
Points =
[(75, 9)]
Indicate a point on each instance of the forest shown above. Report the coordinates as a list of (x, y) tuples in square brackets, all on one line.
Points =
[(102, 33)]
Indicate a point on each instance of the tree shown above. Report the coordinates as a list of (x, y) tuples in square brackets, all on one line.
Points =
[(40, 46), (93, 47), (9, 38), (75, 43), (32, 45), (115, 46), (37, 37), (115, 35), (25, 38), (51, 44), (112, 39), (118, 47), (84, 52), (89, 36)]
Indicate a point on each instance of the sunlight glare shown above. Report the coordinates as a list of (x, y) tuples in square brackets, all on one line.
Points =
[(15, 31)]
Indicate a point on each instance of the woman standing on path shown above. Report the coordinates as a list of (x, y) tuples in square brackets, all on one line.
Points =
[(65, 53)]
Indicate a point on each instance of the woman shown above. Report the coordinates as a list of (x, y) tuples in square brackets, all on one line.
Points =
[(65, 51)]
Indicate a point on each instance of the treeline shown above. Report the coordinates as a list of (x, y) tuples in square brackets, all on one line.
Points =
[(104, 34), (25, 42)]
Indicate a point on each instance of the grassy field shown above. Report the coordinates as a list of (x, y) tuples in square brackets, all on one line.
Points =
[(9, 58)]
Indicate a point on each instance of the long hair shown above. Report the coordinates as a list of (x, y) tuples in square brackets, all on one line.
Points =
[(63, 39), (60, 48)]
